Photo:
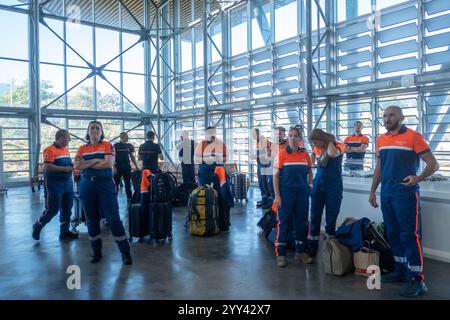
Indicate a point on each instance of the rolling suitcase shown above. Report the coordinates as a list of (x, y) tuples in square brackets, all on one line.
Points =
[(138, 222), (160, 222), (239, 185), (78, 215)]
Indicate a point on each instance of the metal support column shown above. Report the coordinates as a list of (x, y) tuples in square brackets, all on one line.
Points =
[(205, 61), (34, 83), (309, 66), (158, 71)]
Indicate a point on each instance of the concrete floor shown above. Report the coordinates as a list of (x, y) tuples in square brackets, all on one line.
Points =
[(239, 264)]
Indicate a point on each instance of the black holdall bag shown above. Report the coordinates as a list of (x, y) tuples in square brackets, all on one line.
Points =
[(268, 222), (138, 222), (160, 222), (136, 182), (162, 187)]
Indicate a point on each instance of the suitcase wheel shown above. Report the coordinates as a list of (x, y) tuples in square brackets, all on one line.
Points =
[(170, 237), (130, 239), (141, 240)]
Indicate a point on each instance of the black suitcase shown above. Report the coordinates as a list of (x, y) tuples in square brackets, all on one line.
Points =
[(138, 222), (239, 185), (160, 224)]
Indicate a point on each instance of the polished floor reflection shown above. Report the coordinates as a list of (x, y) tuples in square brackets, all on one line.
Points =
[(239, 264)]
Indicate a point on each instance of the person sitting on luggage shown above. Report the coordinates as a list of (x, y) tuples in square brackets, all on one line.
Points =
[(399, 152), (149, 152), (292, 180), (98, 193), (124, 152), (327, 188), (186, 148), (263, 167), (280, 144), (355, 148), (58, 184), (209, 154)]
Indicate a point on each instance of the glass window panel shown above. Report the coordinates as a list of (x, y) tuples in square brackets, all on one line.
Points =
[(107, 47), (79, 37), (133, 59), (51, 49), (186, 52), (351, 9), (260, 23), (133, 89), (285, 19), (198, 47), (108, 99), (216, 35), (238, 31), (13, 83), (81, 97), (52, 85), (14, 35)]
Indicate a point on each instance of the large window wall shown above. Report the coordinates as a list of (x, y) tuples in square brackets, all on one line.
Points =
[(67, 52), (374, 40), (256, 66)]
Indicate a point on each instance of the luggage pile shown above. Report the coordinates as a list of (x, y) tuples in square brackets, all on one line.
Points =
[(358, 245), (152, 215)]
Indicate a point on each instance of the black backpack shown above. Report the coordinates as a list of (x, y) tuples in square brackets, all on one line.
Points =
[(162, 187), (136, 182), (182, 193), (376, 241), (268, 222)]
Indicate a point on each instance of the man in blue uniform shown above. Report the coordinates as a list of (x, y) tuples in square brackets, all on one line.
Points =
[(58, 190), (399, 151), (149, 153), (209, 154), (355, 148), (124, 153)]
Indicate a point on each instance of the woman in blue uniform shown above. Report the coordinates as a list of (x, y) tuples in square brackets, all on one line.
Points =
[(327, 190), (292, 179), (98, 192)]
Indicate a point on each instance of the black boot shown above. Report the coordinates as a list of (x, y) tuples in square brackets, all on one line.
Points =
[(68, 235), (96, 257), (37, 227), (126, 258)]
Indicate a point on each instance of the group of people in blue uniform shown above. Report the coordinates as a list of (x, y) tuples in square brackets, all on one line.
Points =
[(102, 166), (286, 180), (299, 198)]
